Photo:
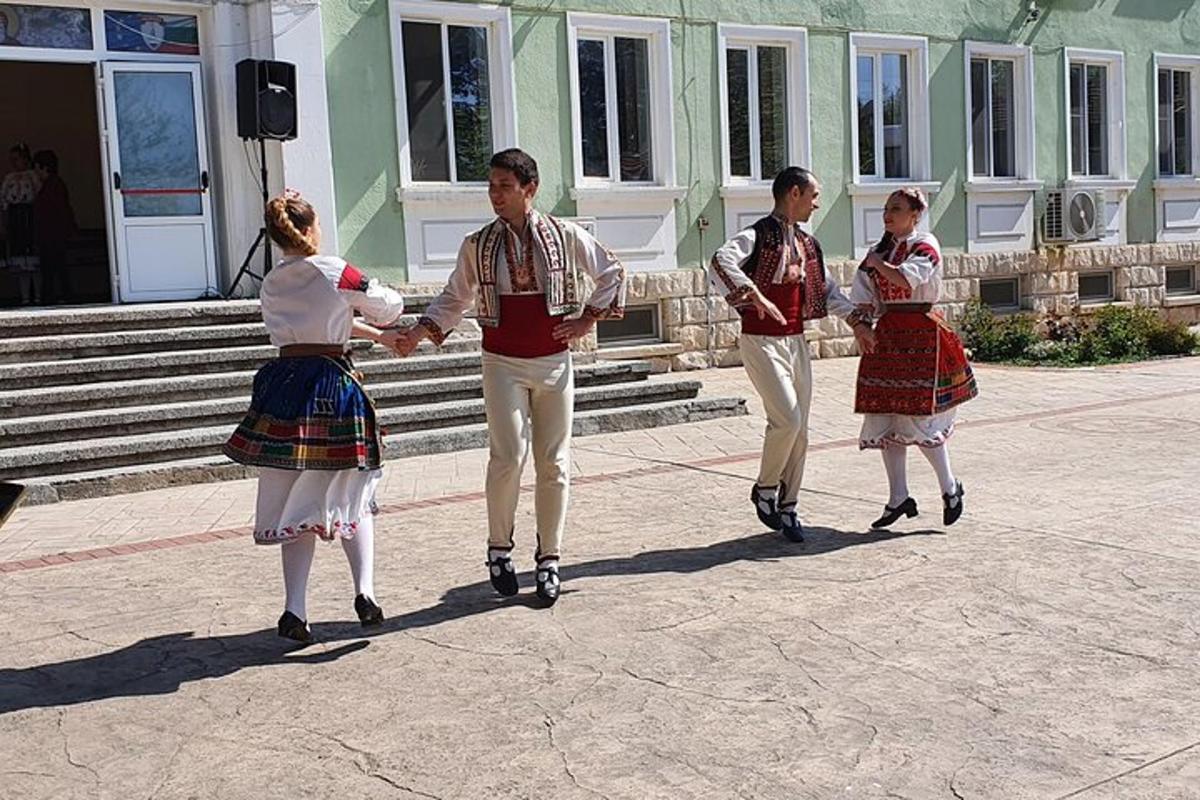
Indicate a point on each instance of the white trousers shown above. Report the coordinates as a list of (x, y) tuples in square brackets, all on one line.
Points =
[(779, 368), (530, 403)]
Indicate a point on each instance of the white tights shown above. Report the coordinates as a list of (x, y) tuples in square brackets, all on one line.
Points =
[(895, 460), (298, 558)]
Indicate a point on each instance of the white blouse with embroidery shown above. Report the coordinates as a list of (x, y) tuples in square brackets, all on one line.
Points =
[(313, 301), (919, 263)]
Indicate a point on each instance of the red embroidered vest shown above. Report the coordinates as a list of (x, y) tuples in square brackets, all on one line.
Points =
[(796, 301)]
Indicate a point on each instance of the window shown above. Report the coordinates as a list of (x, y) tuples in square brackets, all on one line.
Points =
[(756, 84), (1174, 122), (1181, 280), (1096, 287), (621, 100), (883, 126), (614, 85), (891, 107), (993, 127), (1000, 294), (45, 26), (638, 326), (1096, 113), (453, 69)]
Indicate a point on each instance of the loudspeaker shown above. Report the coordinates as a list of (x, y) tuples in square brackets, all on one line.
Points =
[(266, 100)]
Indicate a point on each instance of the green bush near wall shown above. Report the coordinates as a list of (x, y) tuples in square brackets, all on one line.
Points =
[(1109, 335)]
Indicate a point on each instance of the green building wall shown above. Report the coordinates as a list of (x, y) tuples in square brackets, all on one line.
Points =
[(363, 118)]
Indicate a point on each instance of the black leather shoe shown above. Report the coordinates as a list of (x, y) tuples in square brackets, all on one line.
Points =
[(906, 509), (292, 627), (369, 613), (790, 525), (503, 575), (765, 507), (548, 583), (952, 505)]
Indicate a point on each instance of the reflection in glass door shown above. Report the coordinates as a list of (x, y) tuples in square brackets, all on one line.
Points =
[(158, 162)]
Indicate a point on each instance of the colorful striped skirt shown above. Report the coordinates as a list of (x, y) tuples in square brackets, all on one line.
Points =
[(918, 368), (308, 414)]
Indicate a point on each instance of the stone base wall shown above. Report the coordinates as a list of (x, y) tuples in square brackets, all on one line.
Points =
[(691, 315)]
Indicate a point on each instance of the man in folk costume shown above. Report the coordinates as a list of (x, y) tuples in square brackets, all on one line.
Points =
[(521, 272), (774, 274)]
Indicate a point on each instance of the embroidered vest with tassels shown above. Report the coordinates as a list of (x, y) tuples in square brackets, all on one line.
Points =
[(764, 261), (557, 243)]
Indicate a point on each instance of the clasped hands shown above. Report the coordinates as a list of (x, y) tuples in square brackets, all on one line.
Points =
[(403, 341)]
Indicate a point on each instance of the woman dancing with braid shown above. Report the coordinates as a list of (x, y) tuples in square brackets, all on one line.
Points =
[(911, 384), (311, 428)]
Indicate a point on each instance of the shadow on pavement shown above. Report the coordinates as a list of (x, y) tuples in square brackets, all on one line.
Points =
[(161, 664)]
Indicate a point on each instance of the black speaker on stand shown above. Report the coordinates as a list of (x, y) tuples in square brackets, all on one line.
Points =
[(266, 109)]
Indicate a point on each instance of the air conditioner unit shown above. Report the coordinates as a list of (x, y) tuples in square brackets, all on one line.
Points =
[(1073, 215), (587, 223)]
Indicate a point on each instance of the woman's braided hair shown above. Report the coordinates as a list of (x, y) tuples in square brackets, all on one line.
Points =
[(914, 197), (289, 219)]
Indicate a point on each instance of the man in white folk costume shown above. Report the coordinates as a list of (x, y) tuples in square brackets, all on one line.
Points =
[(521, 272), (774, 274)]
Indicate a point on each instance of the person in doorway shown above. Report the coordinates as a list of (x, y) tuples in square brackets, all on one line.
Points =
[(910, 385), (774, 274), (17, 193), (53, 227), (311, 428), (522, 274)]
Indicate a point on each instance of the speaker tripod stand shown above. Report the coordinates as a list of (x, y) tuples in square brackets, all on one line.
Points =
[(262, 239)]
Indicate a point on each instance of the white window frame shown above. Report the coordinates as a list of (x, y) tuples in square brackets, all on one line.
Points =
[(502, 89), (1015, 280), (1095, 300), (795, 42), (1023, 109), (868, 193), (920, 163), (1192, 288), (662, 116), (1179, 63), (1115, 62)]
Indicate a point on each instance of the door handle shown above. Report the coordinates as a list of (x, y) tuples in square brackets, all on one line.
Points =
[(204, 180), (117, 181)]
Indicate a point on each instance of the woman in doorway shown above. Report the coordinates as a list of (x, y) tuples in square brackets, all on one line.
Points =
[(311, 428), (910, 386), (53, 226), (17, 193)]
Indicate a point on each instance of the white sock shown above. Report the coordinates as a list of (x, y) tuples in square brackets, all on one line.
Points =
[(360, 552), (297, 561), (768, 492), (493, 554), (939, 459), (895, 462)]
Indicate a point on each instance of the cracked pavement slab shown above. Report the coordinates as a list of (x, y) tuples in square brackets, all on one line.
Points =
[(1044, 647)]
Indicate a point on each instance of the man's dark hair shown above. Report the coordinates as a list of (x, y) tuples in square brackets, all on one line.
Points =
[(47, 160), (789, 177), (518, 162)]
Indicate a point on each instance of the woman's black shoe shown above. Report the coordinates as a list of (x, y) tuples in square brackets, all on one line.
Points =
[(766, 507), (548, 583), (906, 509), (503, 575), (292, 627), (952, 505), (369, 613)]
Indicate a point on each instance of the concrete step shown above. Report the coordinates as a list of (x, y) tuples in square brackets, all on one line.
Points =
[(103, 318), (185, 362), (438, 410), (388, 382), (95, 319), (54, 487), (65, 346), (164, 437)]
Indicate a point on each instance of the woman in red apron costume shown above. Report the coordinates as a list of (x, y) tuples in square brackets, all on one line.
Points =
[(910, 386)]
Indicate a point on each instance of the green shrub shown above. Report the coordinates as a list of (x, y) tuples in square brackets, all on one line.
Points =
[(1112, 333), (992, 338)]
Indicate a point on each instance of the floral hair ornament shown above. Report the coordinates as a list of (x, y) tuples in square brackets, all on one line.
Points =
[(291, 194)]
